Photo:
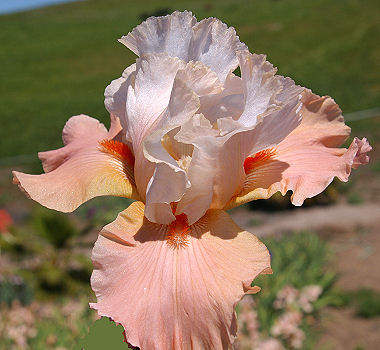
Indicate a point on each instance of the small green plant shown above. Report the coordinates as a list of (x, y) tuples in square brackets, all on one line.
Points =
[(355, 198), (54, 227), (15, 288), (367, 303)]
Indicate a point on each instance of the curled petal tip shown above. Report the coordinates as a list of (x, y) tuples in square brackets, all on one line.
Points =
[(17, 182), (361, 157), (251, 290)]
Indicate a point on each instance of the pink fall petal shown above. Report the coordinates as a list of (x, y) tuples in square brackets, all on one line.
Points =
[(175, 298), (80, 170), (307, 160)]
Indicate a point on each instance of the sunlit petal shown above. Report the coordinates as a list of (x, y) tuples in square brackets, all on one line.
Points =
[(89, 165), (179, 35), (309, 158), (169, 297)]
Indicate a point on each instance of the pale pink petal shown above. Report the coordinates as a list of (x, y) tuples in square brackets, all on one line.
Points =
[(190, 83), (201, 171), (76, 128), (308, 159), (200, 78), (227, 104), (241, 142), (171, 34), (148, 97), (147, 100), (84, 168), (166, 185), (215, 45), (175, 298), (169, 180), (218, 159), (361, 157), (271, 111), (115, 94), (179, 35), (264, 91)]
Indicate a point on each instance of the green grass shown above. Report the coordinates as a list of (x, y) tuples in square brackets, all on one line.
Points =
[(55, 62)]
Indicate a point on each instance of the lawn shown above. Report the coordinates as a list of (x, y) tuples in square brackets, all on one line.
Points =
[(57, 61)]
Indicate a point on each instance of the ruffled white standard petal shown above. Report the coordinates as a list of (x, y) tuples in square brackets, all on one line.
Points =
[(191, 83), (215, 45), (227, 104), (150, 94), (115, 95), (201, 171), (171, 34), (147, 99), (264, 91), (169, 181), (271, 111), (179, 35)]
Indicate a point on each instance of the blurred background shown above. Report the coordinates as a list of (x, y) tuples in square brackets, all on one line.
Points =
[(56, 61)]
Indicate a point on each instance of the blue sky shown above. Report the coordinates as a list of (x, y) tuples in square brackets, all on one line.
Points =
[(9, 6)]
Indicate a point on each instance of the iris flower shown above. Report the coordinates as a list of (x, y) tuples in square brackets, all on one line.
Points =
[(188, 140)]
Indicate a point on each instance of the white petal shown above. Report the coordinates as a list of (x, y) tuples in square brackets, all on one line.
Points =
[(179, 35), (215, 45), (197, 199), (169, 181), (166, 186), (200, 78), (147, 100), (228, 103), (150, 95), (170, 34), (115, 94), (260, 87)]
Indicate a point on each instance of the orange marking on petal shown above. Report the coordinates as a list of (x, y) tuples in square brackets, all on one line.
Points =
[(252, 162), (178, 232), (174, 207), (118, 149)]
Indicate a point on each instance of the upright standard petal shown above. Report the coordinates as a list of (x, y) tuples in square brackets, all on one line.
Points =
[(171, 34), (90, 164), (191, 83), (147, 99), (179, 35), (199, 133), (308, 159), (271, 111), (169, 181), (115, 95), (150, 94), (264, 91), (175, 297), (216, 45)]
